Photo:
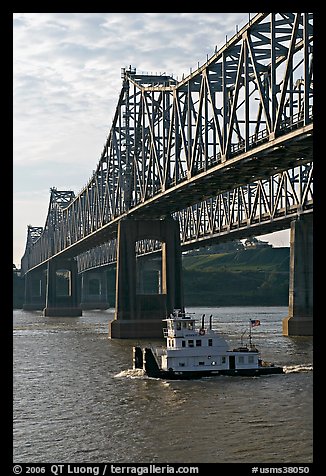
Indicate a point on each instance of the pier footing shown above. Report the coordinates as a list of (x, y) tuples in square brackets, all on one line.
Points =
[(296, 327), (136, 329), (62, 311), (33, 307)]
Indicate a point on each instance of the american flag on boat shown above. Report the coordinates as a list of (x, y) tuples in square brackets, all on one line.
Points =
[(254, 322)]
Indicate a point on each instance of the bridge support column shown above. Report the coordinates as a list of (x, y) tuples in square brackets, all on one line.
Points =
[(94, 289), (62, 296), (149, 271), (300, 319), (140, 315), (35, 290)]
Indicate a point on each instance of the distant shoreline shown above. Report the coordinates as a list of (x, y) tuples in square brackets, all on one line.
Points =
[(250, 277)]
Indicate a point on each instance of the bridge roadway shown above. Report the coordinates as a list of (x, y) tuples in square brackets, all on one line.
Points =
[(247, 167), (243, 116), (290, 150), (262, 207)]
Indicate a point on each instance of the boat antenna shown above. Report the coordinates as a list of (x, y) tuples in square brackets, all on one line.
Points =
[(250, 344), (241, 338)]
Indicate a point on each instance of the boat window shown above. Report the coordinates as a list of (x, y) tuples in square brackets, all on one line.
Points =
[(198, 343), (190, 326), (223, 360), (250, 359), (171, 343), (190, 343), (178, 326), (183, 343), (210, 342), (201, 363), (184, 325), (241, 359), (181, 364)]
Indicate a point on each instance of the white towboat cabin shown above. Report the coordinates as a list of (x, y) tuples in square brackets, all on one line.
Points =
[(193, 351)]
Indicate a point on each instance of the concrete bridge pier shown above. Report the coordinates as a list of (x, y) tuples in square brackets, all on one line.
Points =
[(300, 319), (94, 289), (35, 290), (62, 293), (140, 315)]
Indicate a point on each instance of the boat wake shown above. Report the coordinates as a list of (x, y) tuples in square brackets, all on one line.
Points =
[(131, 373), (289, 369)]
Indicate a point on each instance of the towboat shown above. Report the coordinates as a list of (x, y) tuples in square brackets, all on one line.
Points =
[(194, 351)]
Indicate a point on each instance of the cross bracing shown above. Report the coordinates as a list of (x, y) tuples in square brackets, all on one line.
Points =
[(264, 205), (243, 116)]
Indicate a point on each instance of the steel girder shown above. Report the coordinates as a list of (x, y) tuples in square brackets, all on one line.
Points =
[(239, 118), (44, 237), (261, 206)]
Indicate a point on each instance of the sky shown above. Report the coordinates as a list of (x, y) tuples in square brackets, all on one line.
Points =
[(66, 83)]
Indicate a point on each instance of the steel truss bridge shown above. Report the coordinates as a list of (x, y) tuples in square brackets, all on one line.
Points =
[(226, 151)]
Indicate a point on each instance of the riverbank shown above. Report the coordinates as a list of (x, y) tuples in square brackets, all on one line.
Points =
[(247, 277), (251, 277)]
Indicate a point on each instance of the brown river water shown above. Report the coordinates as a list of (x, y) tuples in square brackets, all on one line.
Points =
[(77, 399)]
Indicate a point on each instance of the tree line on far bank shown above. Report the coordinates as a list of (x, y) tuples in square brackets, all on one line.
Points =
[(226, 276)]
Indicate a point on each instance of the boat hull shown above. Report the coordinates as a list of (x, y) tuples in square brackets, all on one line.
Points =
[(191, 375)]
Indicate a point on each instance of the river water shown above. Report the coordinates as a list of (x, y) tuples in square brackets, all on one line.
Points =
[(76, 399)]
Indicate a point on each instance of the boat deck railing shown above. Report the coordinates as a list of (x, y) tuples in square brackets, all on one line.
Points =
[(157, 352)]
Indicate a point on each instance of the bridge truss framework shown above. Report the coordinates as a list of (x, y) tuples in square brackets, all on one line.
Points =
[(227, 147)]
